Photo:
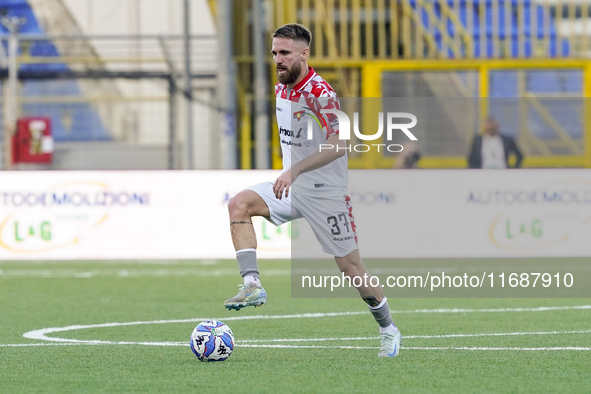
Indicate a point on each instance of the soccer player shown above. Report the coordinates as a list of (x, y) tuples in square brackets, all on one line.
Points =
[(318, 176)]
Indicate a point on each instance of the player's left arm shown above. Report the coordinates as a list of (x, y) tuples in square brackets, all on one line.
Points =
[(332, 150)]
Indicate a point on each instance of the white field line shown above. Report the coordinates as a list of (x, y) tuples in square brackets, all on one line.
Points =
[(43, 344), (172, 269), (458, 310), (498, 348), (405, 337), (97, 342), (309, 346), (41, 334), (125, 273), (117, 262), (423, 348), (265, 342), (177, 268)]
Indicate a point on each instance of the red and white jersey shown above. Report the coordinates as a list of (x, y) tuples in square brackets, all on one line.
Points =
[(294, 108)]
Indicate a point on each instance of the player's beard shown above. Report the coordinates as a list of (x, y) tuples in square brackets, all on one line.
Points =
[(290, 75)]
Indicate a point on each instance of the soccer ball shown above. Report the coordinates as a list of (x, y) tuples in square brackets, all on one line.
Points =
[(212, 340)]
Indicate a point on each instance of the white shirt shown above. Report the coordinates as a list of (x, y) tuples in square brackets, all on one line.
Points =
[(493, 152), (294, 107)]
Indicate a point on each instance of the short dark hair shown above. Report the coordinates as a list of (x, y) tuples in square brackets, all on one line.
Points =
[(294, 31)]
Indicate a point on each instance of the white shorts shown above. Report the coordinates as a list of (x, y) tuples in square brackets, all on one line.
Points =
[(331, 218)]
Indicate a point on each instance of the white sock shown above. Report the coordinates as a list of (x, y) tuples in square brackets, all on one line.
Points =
[(252, 280), (391, 329)]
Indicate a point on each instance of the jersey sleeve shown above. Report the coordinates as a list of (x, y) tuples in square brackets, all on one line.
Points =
[(326, 98)]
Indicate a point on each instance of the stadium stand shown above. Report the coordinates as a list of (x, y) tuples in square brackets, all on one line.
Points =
[(70, 121), (433, 20)]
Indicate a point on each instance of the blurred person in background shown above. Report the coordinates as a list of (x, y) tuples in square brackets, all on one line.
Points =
[(491, 150), (409, 157)]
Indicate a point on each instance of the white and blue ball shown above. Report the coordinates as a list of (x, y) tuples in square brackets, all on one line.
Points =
[(212, 340)]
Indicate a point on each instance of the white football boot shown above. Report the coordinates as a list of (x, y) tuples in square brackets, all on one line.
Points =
[(247, 296), (390, 344)]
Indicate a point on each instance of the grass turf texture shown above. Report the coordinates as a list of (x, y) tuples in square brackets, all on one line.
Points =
[(57, 294)]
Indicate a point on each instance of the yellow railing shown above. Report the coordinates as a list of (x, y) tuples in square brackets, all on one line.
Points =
[(351, 37), (580, 152)]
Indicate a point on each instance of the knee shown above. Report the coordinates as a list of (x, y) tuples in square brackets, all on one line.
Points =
[(238, 206)]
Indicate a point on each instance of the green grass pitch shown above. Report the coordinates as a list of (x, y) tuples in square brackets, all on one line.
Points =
[(291, 353)]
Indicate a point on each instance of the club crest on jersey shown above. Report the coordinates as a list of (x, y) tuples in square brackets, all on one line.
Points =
[(298, 115)]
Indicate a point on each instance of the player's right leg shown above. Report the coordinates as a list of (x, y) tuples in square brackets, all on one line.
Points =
[(330, 217), (242, 208), (352, 266)]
